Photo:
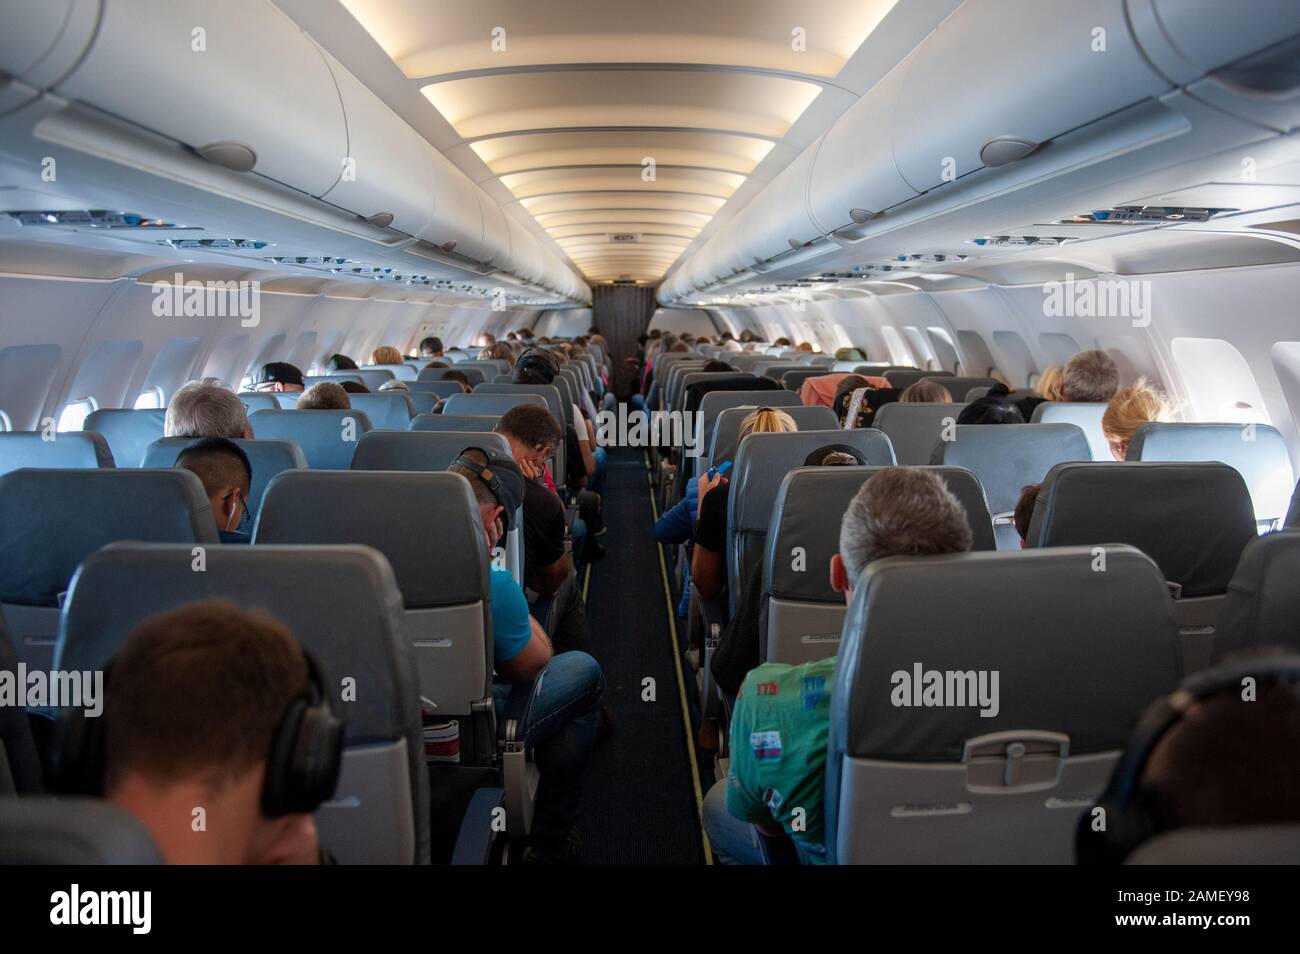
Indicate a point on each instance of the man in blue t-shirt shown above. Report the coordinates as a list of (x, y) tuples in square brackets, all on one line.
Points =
[(561, 725)]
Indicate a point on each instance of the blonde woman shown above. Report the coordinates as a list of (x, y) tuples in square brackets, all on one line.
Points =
[(925, 391), (498, 351), (386, 354), (1049, 383), (1128, 410), (708, 562)]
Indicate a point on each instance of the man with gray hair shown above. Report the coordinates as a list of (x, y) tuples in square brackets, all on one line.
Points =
[(775, 785), (199, 409), (1090, 376)]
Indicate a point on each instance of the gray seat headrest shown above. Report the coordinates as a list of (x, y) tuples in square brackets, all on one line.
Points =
[(266, 457), (475, 376), (1192, 519), (809, 510), (72, 449), (328, 438), (1257, 451), (1263, 603), (1008, 457), (128, 432), (1086, 414), (549, 392), (915, 427), (72, 831), (421, 450), (390, 410), (1075, 650), (476, 404), (59, 517), (726, 429), (257, 401), (408, 517), (454, 422)]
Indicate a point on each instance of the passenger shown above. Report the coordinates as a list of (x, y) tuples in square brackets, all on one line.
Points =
[(227, 475), (459, 377), (1090, 376), (340, 362), (196, 707), (399, 386), (803, 346), (708, 559), (354, 387), (1128, 410), (900, 511), (716, 366), (278, 376), (324, 396), (993, 408), (489, 339), (205, 410), (927, 390), (1024, 512), (385, 354), (438, 364), (1230, 760), (843, 400), (431, 348), (1049, 383), (562, 721), (498, 351), (782, 342), (739, 649)]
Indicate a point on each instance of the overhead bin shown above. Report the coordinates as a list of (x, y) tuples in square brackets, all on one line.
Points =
[(457, 223), (853, 174), (778, 217), (525, 253), (145, 66), (1001, 72), (389, 166), (496, 233), (1185, 39), (40, 42)]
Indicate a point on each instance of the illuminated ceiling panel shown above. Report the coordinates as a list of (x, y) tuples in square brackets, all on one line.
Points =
[(618, 117)]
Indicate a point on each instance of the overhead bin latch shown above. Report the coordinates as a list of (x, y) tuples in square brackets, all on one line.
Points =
[(380, 220), (1004, 150)]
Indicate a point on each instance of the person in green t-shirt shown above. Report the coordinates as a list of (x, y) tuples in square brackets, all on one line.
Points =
[(775, 786)]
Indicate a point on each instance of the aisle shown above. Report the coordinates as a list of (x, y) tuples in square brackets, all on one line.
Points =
[(639, 804)]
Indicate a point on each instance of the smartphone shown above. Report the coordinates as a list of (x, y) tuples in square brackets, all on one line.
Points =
[(720, 469)]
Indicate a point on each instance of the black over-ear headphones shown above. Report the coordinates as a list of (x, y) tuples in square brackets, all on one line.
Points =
[(302, 768), (1132, 813), (538, 360), (488, 474)]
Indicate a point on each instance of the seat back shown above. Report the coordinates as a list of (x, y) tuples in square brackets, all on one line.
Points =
[(775, 368), (258, 401), (339, 377), (726, 431), (1007, 458), (127, 432), (438, 389), (422, 402), (342, 604), (20, 763), (387, 410), (802, 615), (402, 372), (957, 387), (691, 376), (490, 367), (1085, 414), (793, 380), (549, 393), (327, 438), (715, 402), (286, 400), (902, 377), (1293, 511), (454, 422), (409, 518), (1262, 607), (930, 760), (1241, 845), (915, 427), (51, 520), (761, 463), (475, 376), (72, 831), (1257, 451), (431, 451), (490, 404), (73, 449), (267, 458), (373, 377)]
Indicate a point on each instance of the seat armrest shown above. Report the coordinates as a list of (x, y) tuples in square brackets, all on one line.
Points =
[(474, 841), (521, 776)]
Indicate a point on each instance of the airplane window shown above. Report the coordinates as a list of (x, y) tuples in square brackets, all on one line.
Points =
[(899, 353), (1059, 348), (944, 348), (1014, 355), (26, 374), (6, 423), (75, 413), (1286, 362), (921, 346), (150, 397), (1218, 381), (976, 358)]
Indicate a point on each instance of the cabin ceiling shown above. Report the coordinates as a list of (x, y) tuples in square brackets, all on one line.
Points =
[(561, 105)]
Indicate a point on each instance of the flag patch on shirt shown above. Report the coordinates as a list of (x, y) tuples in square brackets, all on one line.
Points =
[(772, 799), (766, 745)]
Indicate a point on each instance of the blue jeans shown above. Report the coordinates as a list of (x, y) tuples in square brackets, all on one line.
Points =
[(596, 481), (560, 732), (734, 842)]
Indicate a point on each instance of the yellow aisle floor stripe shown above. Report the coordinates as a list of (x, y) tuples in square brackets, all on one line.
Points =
[(681, 679)]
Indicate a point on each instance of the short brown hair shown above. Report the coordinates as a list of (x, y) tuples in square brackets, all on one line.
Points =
[(324, 396), (1090, 376), (200, 691), (902, 511), (530, 425), (1024, 512)]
